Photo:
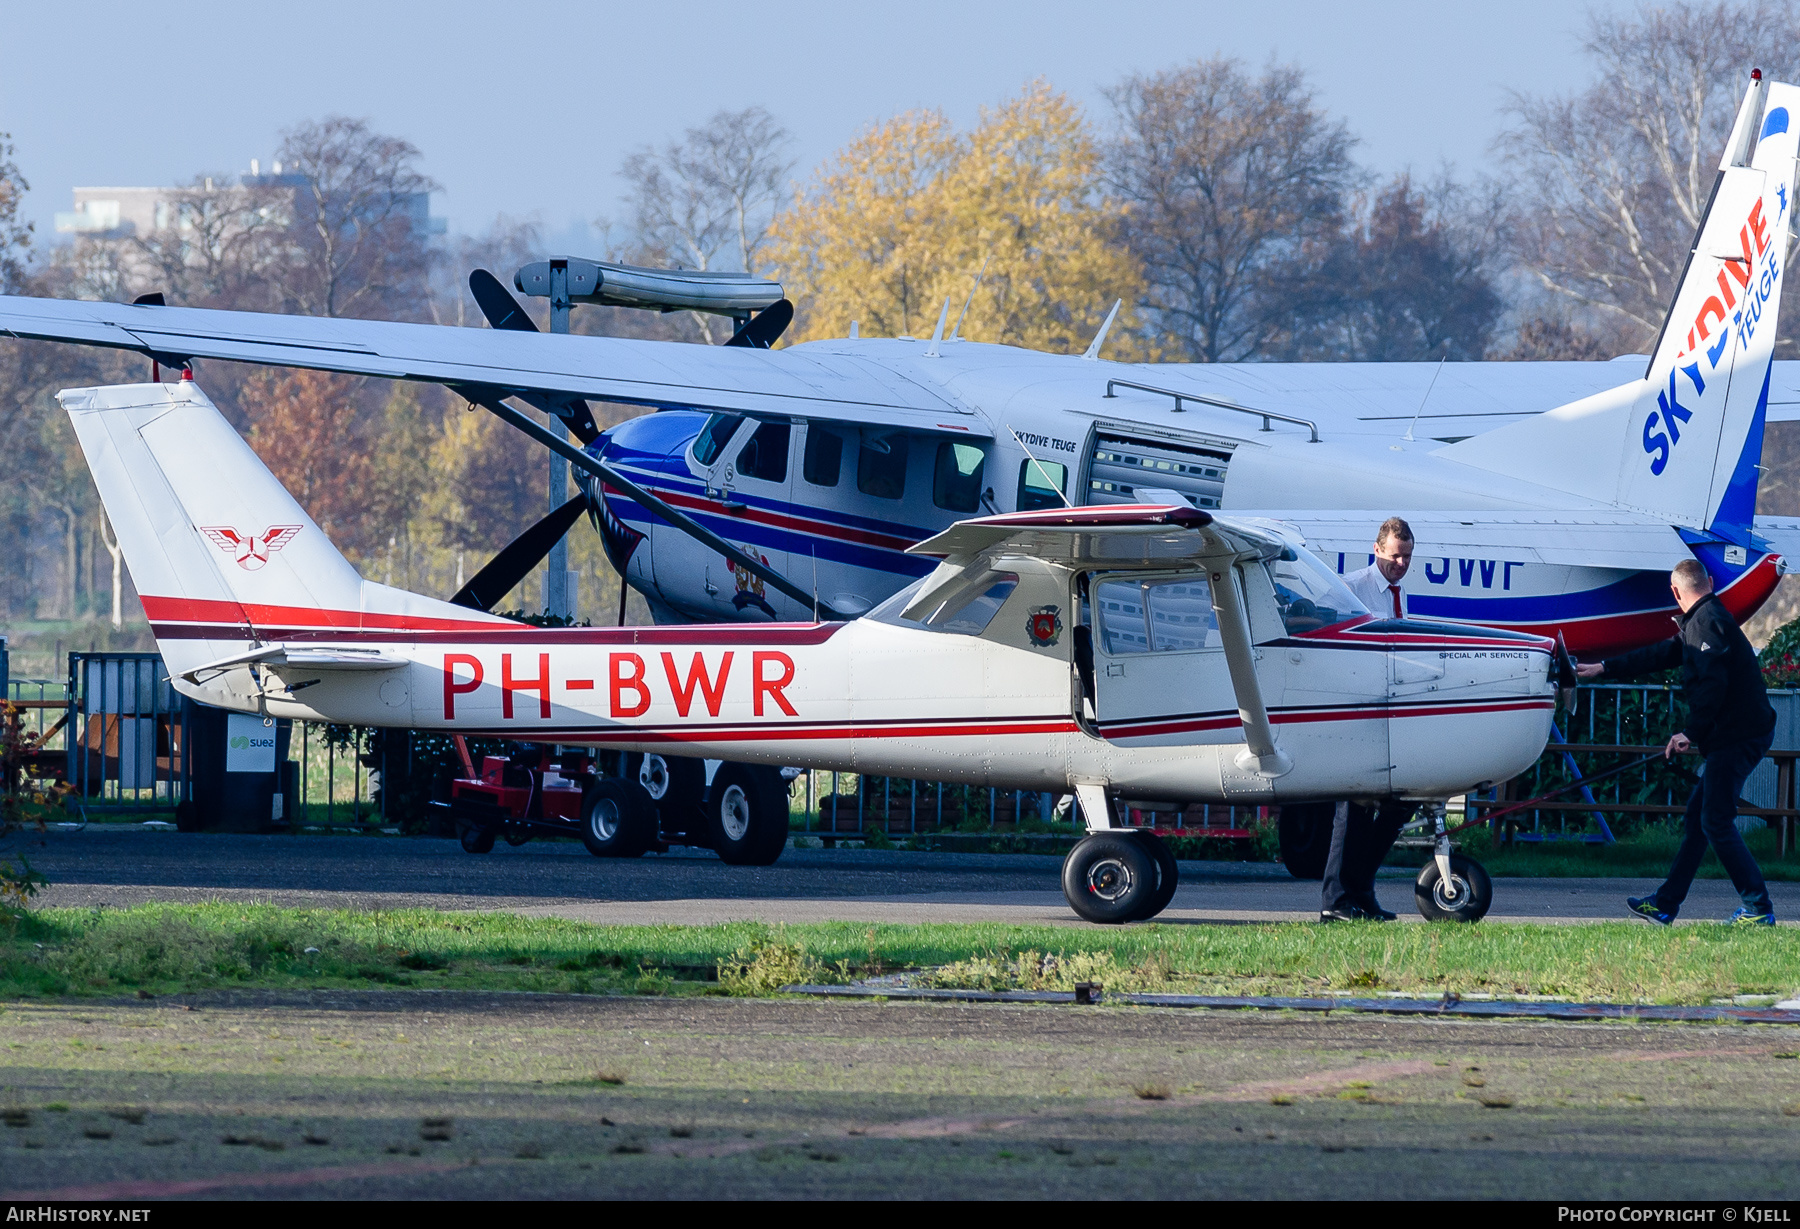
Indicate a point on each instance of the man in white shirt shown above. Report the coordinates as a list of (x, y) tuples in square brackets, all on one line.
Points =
[(1361, 835), (1378, 585)]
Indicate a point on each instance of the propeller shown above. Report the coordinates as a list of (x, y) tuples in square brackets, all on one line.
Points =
[(760, 331), (520, 555), (1566, 678), (503, 312)]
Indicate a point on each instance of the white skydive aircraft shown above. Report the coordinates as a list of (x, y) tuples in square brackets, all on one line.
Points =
[(1149, 651), (1547, 497)]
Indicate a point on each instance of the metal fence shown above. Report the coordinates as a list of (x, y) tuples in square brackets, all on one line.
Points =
[(128, 738), (1611, 723)]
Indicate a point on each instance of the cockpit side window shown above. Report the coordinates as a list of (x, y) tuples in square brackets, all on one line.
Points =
[(765, 454), (714, 436), (1041, 484), (1164, 615)]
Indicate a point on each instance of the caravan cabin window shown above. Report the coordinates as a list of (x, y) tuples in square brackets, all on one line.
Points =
[(881, 467), (765, 454), (1041, 484), (956, 482), (824, 456), (714, 436), (1168, 615)]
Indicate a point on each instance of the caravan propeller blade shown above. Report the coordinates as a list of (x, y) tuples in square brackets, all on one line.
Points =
[(518, 557), (762, 329), (503, 312)]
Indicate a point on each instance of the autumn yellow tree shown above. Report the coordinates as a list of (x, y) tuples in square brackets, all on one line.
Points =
[(907, 215)]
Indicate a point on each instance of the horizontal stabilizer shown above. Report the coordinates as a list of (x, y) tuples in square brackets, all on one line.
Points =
[(276, 656)]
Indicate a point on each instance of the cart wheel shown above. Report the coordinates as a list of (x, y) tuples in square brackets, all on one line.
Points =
[(747, 814), (617, 820), (1109, 877), (515, 836), (1168, 876), (476, 840), (1464, 899)]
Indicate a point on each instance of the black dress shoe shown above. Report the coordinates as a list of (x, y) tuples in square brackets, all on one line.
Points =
[(1347, 913), (1376, 913)]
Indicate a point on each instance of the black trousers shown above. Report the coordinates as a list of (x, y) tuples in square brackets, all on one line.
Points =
[(1712, 819), (1360, 839)]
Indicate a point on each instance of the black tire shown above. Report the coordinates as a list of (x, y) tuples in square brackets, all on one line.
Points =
[(1109, 877), (476, 840), (1168, 876), (676, 787), (747, 814), (1305, 832), (1475, 891), (617, 820)]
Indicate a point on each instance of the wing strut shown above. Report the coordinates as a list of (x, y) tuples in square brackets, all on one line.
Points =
[(490, 399), (1260, 755)]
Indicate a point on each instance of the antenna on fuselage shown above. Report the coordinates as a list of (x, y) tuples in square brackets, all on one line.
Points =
[(1408, 437), (937, 335), (853, 333), (1093, 350), (965, 307)]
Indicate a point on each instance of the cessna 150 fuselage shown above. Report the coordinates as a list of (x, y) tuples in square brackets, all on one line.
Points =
[(1149, 651)]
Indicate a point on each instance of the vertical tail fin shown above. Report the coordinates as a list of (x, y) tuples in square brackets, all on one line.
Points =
[(1683, 443), (221, 554)]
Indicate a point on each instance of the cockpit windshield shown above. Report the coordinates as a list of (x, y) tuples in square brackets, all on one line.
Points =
[(1310, 595)]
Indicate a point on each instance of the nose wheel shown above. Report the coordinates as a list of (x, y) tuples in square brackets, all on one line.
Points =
[(1451, 887)]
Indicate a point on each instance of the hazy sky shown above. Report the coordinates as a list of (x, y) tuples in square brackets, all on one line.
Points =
[(528, 108)]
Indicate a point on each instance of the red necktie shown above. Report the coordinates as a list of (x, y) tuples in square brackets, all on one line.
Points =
[(1395, 590)]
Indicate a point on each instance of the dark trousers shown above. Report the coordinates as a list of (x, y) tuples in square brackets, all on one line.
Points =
[(1711, 818), (1360, 839)]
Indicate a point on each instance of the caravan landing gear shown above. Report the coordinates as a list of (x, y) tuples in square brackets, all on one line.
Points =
[(1111, 877)]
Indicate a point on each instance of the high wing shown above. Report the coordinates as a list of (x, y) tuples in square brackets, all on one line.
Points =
[(776, 383)]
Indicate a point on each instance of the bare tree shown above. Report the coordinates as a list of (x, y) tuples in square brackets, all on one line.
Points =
[(1412, 277), (507, 244), (1615, 179), (360, 217), (1227, 180), (218, 244), (15, 234), (706, 202)]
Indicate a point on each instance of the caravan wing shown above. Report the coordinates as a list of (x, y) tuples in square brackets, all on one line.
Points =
[(785, 383), (1586, 537)]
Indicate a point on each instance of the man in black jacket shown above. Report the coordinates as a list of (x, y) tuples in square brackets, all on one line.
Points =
[(1729, 722)]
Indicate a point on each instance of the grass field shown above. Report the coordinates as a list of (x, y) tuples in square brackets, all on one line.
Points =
[(161, 949)]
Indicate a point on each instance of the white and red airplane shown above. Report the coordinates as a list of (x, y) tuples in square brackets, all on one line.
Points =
[(1149, 651)]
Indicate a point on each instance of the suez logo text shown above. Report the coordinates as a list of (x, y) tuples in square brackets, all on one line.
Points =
[(1662, 427), (630, 682)]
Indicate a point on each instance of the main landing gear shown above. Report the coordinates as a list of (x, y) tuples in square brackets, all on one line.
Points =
[(1118, 875)]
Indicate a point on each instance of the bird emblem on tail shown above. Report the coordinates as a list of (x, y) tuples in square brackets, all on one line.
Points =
[(251, 550)]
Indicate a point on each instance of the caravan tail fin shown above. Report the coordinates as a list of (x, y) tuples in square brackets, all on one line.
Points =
[(222, 556), (1683, 443)]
